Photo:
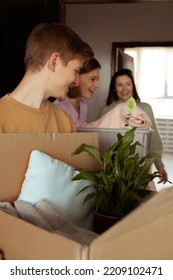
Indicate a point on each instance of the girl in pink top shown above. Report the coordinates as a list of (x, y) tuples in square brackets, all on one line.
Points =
[(75, 105)]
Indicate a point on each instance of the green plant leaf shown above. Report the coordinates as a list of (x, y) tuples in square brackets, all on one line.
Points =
[(134, 196), (131, 105), (89, 196), (90, 149), (122, 180), (84, 188), (83, 174), (106, 160), (107, 181), (133, 147), (124, 149)]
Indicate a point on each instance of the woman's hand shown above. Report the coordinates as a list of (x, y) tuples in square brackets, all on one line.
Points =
[(163, 174)]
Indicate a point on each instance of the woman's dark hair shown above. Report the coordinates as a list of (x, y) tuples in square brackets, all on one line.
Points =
[(87, 67), (112, 95)]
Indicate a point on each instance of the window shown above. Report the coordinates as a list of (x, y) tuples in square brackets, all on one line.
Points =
[(153, 71)]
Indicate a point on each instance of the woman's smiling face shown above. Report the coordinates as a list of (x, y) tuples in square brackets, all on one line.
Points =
[(123, 87), (88, 83)]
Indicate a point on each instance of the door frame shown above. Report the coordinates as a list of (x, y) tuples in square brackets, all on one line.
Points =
[(63, 4)]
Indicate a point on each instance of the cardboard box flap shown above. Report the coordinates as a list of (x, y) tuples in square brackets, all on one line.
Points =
[(16, 148), (21, 240), (143, 234)]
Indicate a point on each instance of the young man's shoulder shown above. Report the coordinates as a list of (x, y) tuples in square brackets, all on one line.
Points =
[(3, 98), (4, 103)]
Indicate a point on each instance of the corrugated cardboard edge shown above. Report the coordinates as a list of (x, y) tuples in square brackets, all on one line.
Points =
[(145, 234), (20, 240)]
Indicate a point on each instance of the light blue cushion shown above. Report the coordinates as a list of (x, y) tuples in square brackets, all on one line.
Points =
[(50, 179)]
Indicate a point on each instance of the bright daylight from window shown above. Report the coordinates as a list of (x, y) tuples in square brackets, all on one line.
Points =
[(153, 71)]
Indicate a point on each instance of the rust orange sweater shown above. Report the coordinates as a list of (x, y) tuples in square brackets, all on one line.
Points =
[(17, 117)]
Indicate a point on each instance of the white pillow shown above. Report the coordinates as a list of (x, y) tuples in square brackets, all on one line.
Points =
[(50, 179)]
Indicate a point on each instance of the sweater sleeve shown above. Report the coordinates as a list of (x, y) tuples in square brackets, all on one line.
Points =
[(156, 145)]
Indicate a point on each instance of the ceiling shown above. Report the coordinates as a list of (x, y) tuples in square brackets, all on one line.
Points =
[(62, 2)]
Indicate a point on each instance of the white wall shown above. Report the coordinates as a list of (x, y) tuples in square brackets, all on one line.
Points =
[(102, 24)]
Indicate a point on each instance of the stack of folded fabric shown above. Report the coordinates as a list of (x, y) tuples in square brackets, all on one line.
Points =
[(120, 117)]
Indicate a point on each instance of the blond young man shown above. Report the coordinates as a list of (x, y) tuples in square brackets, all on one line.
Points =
[(53, 57)]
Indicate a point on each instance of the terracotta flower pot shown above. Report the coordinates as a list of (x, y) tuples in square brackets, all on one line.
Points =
[(103, 222)]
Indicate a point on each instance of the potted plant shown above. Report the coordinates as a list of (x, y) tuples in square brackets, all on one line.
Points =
[(121, 182)]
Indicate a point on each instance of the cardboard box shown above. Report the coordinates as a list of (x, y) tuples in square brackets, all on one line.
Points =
[(146, 233)]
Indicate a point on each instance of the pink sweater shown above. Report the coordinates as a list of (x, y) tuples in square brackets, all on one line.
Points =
[(119, 117)]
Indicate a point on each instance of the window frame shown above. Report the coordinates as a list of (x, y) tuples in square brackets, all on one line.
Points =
[(124, 45)]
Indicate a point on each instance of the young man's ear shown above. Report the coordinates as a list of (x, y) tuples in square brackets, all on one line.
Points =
[(53, 61)]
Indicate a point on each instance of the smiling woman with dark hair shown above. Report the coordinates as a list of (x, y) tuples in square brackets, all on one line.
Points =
[(112, 95), (122, 87)]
